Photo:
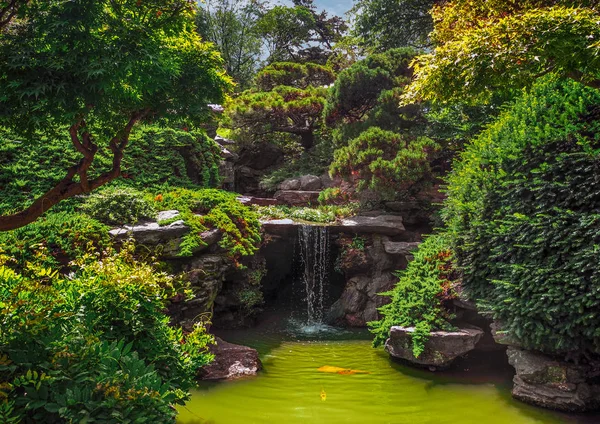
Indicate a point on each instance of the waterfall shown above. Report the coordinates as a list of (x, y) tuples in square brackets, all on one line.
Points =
[(314, 255)]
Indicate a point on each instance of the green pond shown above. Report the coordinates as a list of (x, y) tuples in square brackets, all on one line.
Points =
[(290, 389)]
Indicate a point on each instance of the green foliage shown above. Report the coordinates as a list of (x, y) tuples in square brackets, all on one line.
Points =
[(475, 58), (102, 62), (366, 94), (95, 346), (333, 195), (523, 210), (385, 24), (358, 243), (320, 214), (118, 206), (386, 162), (53, 241), (210, 208), (294, 75), (418, 298), (171, 157)]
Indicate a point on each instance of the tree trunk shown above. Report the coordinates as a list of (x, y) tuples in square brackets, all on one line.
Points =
[(307, 140)]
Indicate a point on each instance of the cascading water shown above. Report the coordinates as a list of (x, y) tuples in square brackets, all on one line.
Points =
[(314, 254)]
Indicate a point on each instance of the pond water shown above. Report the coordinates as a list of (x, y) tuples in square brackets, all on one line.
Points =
[(290, 389)]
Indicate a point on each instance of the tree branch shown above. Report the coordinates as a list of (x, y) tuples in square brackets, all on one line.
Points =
[(67, 187), (580, 77)]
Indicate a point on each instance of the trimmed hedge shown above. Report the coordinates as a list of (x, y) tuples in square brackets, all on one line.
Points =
[(523, 210)]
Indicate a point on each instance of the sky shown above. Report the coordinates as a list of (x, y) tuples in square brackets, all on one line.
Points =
[(336, 7)]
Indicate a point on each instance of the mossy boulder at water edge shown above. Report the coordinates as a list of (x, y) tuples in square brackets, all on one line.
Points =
[(440, 349), (553, 383)]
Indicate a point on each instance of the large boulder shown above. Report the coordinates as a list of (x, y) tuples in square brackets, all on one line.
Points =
[(552, 383), (441, 348), (402, 248), (297, 197), (231, 361), (310, 183), (290, 184)]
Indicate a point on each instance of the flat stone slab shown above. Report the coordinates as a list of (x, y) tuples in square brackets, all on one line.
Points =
[(389, 225), (280, 227), (441, 349), (231, 361), (259, 201)]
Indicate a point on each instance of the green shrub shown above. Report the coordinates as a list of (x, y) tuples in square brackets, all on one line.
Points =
[(219, 209), (333, 195), (54, 240), (95, 346), (118, 206), (524, 214), (418, 298)]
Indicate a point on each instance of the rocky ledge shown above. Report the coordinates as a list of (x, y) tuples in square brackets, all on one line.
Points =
[(441, 349), (231, 361), (387, 225)]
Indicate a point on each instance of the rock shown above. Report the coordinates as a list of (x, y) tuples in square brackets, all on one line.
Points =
[(441, 349), (152, 234), (226, 154), (297, 198), (310, 182), (400, 248), (502, 337), (326, 181), (290, 184), (223, 141), (168, 237), (165, 215), (280, 227), (390, 225), (231, 361), (412, 212), (548, 382), (259, 201)]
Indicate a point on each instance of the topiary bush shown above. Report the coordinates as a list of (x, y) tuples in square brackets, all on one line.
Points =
[(94, 347), (387, 162), (420, 296), (523, 210), (118, 206)]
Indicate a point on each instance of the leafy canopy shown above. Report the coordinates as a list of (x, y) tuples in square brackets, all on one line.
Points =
[(488, 47)]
